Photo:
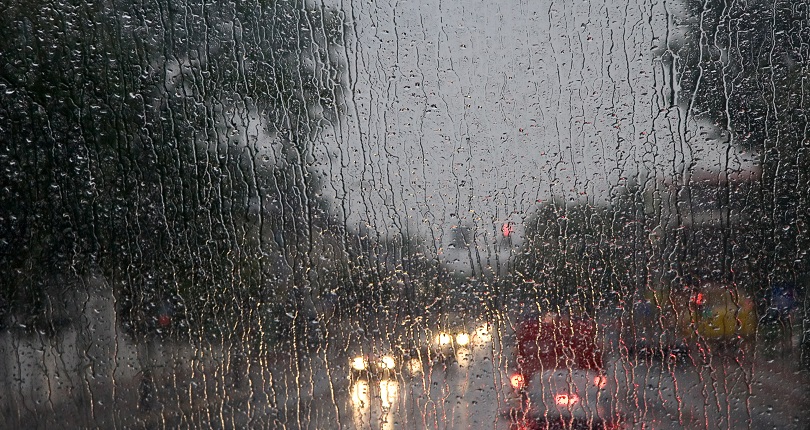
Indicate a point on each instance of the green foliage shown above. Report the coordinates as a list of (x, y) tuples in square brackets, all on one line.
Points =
[(573, 255), (743, 66), (163, 143)]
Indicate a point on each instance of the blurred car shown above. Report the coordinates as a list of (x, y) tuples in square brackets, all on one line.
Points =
[(665, 322), (371, 366), (410, 353), (397, 359), (448, 343), (559, 378), (722, 313), (656, 326)]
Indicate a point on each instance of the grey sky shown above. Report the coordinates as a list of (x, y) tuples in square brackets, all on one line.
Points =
[(468, 113)]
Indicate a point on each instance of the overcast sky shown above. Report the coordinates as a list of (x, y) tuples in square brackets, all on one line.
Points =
[(469, 113)]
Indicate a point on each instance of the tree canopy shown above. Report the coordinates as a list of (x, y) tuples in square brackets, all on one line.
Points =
[(743, 67), (166, 145)]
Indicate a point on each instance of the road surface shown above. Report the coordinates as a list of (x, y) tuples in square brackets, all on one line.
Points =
[(713, 392)]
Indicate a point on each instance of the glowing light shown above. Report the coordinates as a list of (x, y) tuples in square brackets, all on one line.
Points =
[(387, 362), (507, 229), (443, 339), (566, 399), (463, 339), (463, 356), (360, 396), (388, 392), (359, 363), (517, 381), (600, 381)]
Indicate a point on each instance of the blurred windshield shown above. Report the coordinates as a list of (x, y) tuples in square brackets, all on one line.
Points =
[(304, 215)]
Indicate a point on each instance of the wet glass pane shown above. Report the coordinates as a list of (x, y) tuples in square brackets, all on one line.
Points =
[(404, 215)]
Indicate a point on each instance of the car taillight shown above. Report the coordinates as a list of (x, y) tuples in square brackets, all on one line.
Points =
[(566, 399), (164, 320), (517, 381)]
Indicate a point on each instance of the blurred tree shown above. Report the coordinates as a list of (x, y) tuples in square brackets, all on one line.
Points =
[(576, 254), (165, 144), (744, 67), (392, 275)]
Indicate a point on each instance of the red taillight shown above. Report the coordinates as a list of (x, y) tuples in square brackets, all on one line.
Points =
[(566, 399), (517, 381), (698, 299)]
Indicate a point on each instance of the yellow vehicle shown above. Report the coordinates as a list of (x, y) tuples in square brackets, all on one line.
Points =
[(719, 312)]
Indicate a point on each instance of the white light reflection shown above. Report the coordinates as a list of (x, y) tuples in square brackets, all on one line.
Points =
[(389, 394), (379, 412), (389, 389), (361, 404), (463, 356)]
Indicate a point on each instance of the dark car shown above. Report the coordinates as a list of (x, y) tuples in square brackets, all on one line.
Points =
[(656, 326)]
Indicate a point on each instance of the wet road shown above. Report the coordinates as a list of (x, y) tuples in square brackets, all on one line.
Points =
[(714, 392)]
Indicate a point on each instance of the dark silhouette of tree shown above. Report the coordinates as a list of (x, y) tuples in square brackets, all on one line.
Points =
[(744, 67), (577, 255), (166, 145)]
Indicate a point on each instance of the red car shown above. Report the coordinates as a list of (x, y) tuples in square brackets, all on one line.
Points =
[(559, 378)]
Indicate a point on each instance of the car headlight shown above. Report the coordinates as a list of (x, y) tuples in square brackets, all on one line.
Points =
[(359, 363), (387, 362), (443, 339), (462, 339)]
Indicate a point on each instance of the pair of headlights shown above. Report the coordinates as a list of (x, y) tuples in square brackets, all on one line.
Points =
[(386, 362), (444, 339), (481, 333)]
